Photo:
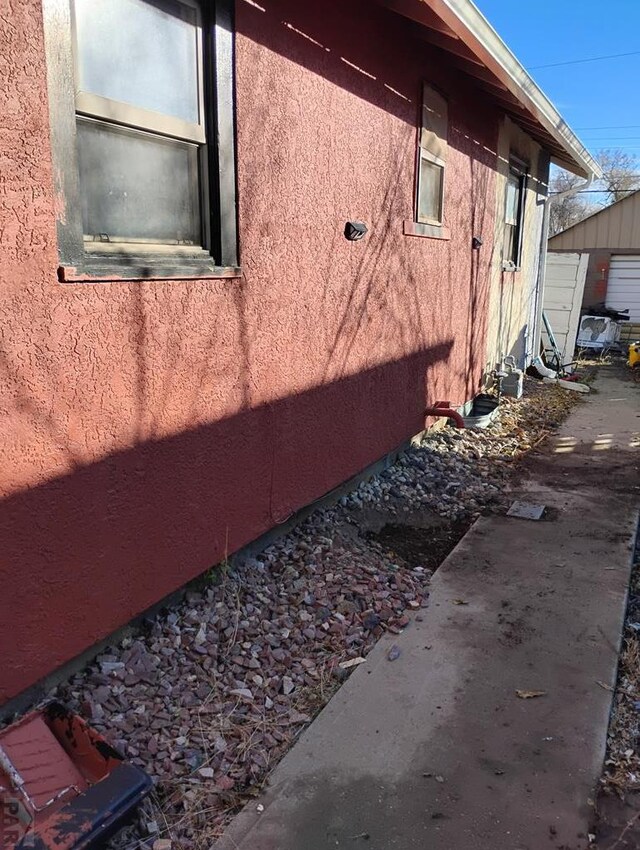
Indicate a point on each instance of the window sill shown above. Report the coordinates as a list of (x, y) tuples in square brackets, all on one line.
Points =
[(510, 267), (99, 269), (428, 231)]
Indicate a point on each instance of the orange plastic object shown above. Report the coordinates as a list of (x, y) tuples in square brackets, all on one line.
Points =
[(62, 785)]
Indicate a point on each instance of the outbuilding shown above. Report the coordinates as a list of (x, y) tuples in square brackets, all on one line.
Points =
[(611, 240)]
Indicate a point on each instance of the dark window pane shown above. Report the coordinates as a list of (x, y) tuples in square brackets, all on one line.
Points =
[(142, 53), (430, 191), (514, 200), (137, 186)]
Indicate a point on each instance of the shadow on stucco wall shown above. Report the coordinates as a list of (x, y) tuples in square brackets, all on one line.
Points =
[(399, 292), (157, 426), (322, 38), (86, 552)]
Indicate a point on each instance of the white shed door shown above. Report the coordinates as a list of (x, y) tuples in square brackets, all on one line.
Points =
[(623, 287), (563, 288)]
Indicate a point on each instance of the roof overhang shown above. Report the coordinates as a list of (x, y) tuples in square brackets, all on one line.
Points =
[(458, 28)]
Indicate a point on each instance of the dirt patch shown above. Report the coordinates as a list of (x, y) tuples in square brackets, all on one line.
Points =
[(514, 630), (421, 547), (621, 474), (618, 822), (550, 514)]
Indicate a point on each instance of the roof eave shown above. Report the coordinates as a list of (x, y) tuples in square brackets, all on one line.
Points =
[(473, 29)]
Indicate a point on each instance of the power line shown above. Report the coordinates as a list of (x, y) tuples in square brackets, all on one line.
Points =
[(612, 144), (623, 148), (597, 191), (581, 61), (612, 127), (618, 174)]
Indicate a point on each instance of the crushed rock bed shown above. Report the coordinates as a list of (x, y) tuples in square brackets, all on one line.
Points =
[(213, 692), (617, 804)]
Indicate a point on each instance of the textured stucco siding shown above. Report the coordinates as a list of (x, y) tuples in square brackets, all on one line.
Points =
[(150, 428), (513, 294)]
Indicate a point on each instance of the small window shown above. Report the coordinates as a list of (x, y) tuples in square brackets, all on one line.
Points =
[(516, 190), (145, 191), (432, 152)]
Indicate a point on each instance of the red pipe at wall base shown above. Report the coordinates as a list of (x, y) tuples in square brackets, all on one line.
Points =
[(443, 408)]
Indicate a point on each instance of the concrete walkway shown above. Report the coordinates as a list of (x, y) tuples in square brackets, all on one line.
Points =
[(434, 750)]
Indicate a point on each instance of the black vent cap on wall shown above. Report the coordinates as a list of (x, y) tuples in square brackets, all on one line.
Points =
[(354, 230)]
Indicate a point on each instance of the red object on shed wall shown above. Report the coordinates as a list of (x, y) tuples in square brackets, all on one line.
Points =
[(151, 427)]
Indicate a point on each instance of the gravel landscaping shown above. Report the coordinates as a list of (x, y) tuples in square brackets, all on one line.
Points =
[(622, 765), (618, 804), (211, 694)]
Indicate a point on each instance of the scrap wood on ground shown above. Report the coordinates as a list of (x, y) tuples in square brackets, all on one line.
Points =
[(213, 692)]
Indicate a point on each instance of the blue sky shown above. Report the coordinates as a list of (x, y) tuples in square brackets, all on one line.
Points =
[(595, 94)]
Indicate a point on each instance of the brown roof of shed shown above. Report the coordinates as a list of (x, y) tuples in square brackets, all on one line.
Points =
[(616, 226)]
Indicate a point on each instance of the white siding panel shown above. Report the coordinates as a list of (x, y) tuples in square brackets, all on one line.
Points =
[(566, 272), (563, 288), (559, 298), (559, 320)]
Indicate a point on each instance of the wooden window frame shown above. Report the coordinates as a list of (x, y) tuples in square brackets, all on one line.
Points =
[(519, 170), (217, 256), (432, 147)]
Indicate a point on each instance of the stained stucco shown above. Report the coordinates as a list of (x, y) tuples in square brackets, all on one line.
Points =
[(150, 428), (513, 294)]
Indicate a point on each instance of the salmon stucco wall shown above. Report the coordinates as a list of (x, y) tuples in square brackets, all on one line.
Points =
[(149, 428), (514, 301)]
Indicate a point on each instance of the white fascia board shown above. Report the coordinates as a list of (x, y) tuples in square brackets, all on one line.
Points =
[(470, 25)]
